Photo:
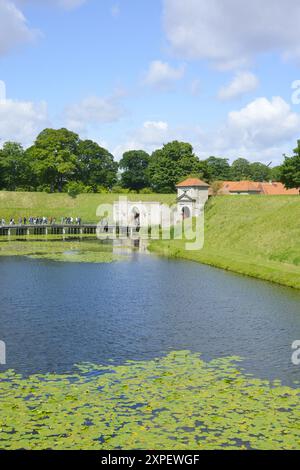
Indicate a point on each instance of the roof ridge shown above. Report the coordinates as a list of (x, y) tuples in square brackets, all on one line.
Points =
[(192, 182)]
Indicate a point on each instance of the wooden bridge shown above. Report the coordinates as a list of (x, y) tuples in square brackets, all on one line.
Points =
[(69, 229)]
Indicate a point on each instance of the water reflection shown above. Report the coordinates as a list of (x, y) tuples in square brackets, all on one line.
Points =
[(53, 315)]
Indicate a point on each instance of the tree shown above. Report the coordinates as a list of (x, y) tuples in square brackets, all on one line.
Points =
[(290, 170), (54, 159), (276, 173), (96, 166), (14, 168), (260, 172), (135, 169), (167, 166), (240, 169), (204, 170), (218, 169)]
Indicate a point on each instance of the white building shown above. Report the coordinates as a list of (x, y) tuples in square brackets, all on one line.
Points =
[(139, 214), (192, 194)]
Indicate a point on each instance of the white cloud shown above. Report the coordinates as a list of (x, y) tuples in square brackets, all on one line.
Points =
[(153, 133), (150, 136), (93, 111), (14, 29), (21, 121), (261, 131), (264, 122), (162, 75), (242, 83), (230, 33)]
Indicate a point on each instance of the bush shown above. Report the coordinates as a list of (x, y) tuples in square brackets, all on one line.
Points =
[(44, 188), (74, 188), (146, 191), (119, 190), (216, 186), (102, 190)]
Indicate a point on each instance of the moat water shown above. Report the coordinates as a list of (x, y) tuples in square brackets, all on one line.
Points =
[(54, 315)]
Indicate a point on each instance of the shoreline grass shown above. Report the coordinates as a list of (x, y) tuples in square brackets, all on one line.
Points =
[(256, 236)]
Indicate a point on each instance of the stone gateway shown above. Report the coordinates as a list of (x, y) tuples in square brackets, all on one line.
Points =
[(192, 194)]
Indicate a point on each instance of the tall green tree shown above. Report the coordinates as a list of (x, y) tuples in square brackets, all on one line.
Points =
[(167, 166), (240, 169), (290, 170), (96, 166), (134, 165), (260, 172), (276, 173), (54, 159), (204, 170), (14, 169), (218, 169)]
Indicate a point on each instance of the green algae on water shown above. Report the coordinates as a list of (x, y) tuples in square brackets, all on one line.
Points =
[(91, 251), (174, 402)]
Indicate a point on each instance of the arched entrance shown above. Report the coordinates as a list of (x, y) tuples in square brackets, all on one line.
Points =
[(186, 213), (136, 217)]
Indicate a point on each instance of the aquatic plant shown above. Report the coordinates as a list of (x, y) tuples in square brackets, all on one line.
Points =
[(175, 402), (90, 251)]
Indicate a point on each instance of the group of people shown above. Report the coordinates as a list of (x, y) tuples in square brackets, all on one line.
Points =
[(42, 221), (70, 221)]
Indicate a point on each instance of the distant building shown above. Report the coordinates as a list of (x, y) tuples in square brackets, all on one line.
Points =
[(139, 214), (192, 195), (278, 189), (251, 187)]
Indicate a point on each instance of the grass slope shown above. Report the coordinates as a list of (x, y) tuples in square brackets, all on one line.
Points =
[(257, 236), (19, 204)]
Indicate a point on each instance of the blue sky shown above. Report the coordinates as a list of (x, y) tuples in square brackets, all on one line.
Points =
[(139, 73)]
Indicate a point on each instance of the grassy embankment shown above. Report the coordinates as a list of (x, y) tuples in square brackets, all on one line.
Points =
[(258, 236), (19, 204)]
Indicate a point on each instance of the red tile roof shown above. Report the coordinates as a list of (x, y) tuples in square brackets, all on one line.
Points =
[(192, 182), (241, 186), (272, 188)]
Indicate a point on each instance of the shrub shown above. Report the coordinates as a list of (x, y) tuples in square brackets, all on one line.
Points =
[(74, 188), (146, 191)]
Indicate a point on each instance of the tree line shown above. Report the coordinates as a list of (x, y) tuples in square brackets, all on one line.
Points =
[(59, 161)]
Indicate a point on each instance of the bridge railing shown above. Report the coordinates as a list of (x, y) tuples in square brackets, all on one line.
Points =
[(67, 229)]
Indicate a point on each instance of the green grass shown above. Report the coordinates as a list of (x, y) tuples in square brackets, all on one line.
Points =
[(257, 236), (178, 402), (21, 204)]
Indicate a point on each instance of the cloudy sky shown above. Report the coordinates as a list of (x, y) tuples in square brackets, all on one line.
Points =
[(139, 73)]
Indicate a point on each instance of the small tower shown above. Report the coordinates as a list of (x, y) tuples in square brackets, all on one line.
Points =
[(192, 195)]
